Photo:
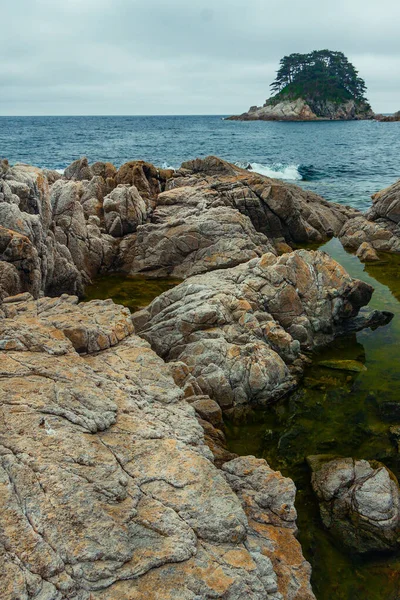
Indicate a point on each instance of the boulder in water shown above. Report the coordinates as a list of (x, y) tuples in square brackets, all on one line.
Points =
[(359, 502)]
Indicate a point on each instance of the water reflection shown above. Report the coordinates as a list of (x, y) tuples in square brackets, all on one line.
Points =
[(347, 405), (135, 291)]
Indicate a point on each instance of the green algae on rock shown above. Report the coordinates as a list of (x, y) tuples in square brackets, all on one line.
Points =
[(343, 365)]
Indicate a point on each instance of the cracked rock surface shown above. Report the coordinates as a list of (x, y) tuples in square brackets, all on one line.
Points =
[(242, 331), (379, 227), (108, 489), (359, 502), (58, 232)]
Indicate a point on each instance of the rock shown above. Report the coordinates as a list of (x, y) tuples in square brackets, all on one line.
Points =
[(191, 237), (149, 180), (386, 204), (207, 409), (216, 215), (359, 502), (343, 365), (268, 501), (388, 118), (291, 110), (108, 489), (366, 253), (379, 228), (79, 170), (124, 210), (60, 232), (303, 110), (241, 331)]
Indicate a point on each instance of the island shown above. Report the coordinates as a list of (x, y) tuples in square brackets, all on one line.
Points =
[(320, 85)]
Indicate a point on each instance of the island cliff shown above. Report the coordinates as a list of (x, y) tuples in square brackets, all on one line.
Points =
[(321, 85)]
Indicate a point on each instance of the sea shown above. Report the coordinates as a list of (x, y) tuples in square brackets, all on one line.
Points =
[(344, 162)]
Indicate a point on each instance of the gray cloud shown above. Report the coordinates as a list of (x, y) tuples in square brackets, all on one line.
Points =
[(176, 57)]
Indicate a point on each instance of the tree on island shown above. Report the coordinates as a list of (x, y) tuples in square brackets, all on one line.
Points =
[(321, 75)]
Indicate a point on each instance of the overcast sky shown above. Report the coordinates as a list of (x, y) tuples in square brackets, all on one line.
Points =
[(180, 56)]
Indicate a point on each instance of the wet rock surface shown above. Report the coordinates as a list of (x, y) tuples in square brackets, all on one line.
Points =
[(359, 502), (108, 488)]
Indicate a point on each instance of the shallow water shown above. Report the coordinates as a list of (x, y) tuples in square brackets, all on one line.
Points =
[(344, 412), (344, 161), (135, 292), (340, 412)]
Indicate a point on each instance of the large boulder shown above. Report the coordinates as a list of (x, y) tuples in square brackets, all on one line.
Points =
[(359, 502), (241, 331), (108, 489), (149, 180), (380, 226), (214, 215), (386, 204), (124, 210), (79, 170), (191, 233)]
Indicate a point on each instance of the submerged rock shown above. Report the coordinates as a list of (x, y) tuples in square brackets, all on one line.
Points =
[(359, 502), (343, 365), (108, 489)]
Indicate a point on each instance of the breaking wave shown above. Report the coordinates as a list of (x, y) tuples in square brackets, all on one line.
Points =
[(275, 171)]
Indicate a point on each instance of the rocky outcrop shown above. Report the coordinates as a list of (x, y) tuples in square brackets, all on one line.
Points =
[(359, 502), (386, 204), (242, 331), (380, 226), (388, 118), (216, 215), (301, 109), (108, 488), (57, 233)]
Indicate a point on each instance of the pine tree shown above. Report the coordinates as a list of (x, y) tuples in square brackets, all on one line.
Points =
[(321, 74)]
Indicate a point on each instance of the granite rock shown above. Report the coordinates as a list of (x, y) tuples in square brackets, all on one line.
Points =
[(108, 488), (359, 502), (380, 226), (300, 109), (216, 215), (241, 331)]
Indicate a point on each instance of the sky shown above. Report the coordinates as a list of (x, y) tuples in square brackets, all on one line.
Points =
[(143, 57)]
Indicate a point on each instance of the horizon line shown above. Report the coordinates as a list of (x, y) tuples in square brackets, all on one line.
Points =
[(124, 115)]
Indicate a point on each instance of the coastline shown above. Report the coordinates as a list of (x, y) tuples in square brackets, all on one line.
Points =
[(246, 306)]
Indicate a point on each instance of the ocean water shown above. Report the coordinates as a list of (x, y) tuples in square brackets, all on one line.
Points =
[(342, 161)]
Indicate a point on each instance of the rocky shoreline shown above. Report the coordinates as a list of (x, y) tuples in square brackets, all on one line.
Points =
[(301, 110), (116, 479)]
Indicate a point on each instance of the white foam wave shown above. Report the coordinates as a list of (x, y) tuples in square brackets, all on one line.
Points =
[(277, 171), (165, 165), (61, 171)]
